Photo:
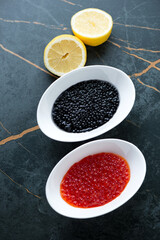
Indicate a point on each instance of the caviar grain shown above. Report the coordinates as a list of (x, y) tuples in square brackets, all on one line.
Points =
[(95, 180), (85, 106)]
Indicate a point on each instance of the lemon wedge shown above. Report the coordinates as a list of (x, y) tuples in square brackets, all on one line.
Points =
[(93, 26), (64, 53)]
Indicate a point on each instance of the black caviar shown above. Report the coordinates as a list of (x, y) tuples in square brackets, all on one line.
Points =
[(85, 106)]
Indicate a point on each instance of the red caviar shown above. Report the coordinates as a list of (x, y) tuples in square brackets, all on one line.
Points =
[(95, 180)]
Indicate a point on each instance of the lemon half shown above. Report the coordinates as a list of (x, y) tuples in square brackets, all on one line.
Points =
[(93, 26), (64, 53)]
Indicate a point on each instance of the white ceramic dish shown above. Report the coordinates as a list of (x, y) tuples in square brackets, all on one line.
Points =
[(125, 149), (115, 76)]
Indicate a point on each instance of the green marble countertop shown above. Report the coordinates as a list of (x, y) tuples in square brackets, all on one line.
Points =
[(27, 156)]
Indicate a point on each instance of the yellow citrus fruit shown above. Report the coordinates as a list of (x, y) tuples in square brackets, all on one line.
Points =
[(93, 26), (64, 53)]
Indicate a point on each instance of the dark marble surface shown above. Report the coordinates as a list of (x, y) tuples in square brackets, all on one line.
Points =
[(27, 156)]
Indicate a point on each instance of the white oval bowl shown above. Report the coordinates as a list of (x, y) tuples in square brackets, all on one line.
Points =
[(125, 149), (112, 75)]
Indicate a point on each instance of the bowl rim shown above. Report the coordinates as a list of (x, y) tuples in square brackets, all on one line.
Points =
[(62, 160), (69, 136)]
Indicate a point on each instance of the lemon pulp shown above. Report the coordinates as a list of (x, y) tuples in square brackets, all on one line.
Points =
[(93, 26), (64, 53)]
